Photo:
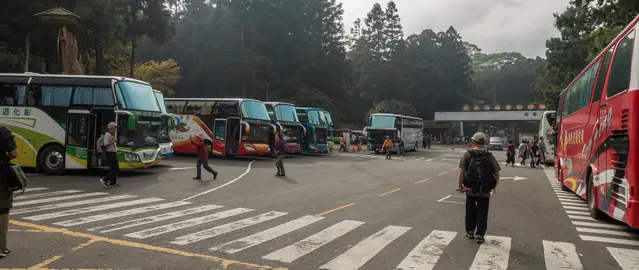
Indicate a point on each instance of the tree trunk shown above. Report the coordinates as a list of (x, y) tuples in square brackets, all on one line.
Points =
[(134, 15), (27, 51), (99, 56), (245, 60)]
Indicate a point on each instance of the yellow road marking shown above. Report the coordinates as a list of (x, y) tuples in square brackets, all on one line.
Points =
[(441, 174), (422, 181), (394, 190), (335, 209), (224, 262), (46, 262)]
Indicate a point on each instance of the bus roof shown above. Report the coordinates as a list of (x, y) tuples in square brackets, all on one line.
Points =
[(27, 75), (211, 99), (275, 103), (308, 108), (619, 36), (392, 114)]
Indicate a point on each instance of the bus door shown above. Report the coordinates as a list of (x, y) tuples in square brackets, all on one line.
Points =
[(219, 142), (78, 144), (234, 129), (98, 122)]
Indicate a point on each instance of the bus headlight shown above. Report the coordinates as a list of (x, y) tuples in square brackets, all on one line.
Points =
[(131, 157)]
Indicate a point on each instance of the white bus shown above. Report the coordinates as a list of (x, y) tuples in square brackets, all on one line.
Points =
[(380, 125), (547, 131), (169, 122), (57, 119)]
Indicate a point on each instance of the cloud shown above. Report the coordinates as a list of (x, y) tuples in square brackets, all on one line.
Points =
[(493, 25)]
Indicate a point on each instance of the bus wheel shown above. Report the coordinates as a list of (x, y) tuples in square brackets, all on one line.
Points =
[(51, 159), (594, 211)]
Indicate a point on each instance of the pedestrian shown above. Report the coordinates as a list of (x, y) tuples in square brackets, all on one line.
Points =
[(542, 151), (478, 177), (523, 152), (534, 152), (8, 151), (401, 147), (387, 146), (109, 140), (510, 154), (280, 153), (430, 140), (203, 158)]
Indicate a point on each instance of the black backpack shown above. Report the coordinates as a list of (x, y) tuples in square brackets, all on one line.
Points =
[(479, 175)]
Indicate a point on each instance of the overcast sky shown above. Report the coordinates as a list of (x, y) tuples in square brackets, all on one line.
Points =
[(493, 25)]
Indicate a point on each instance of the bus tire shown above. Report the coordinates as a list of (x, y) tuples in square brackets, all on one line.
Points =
[(563, 187), (590, 198), (51, 159)]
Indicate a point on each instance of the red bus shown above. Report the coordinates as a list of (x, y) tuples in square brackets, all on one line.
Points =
[(596, 131), (229, 126)]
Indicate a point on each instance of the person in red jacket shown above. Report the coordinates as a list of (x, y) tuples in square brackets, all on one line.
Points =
[(203, 158), (510, 154)]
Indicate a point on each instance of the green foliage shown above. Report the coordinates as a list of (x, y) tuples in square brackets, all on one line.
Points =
[(586, 27), (393, 106)]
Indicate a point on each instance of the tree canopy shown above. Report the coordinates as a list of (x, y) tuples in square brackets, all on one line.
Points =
[(299, 52)]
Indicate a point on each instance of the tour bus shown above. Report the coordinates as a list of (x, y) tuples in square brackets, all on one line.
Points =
[(229, 126), (547, 131), (285, 120), (316, 137), (331, 128), (168, 123), (57, 119), (395, 126), (597, 131)]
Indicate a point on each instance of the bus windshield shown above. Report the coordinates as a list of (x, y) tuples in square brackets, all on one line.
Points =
[(329, 120), (160, 98), (136, 96), (146, 133), (314, 117), (285, 112), (382, 121), (255, 110), (322, 118)]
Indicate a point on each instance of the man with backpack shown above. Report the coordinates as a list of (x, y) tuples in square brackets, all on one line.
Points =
[(478, 177)]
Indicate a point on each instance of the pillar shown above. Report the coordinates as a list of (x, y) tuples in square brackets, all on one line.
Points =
[(481, 127)]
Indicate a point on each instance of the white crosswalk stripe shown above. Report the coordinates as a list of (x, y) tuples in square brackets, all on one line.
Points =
[(226, 228), (91, 209), (313, 242), (187, 223), (46, 194), (559, 255), (493, 254), (269, 234), (55, 199), (148, 220), (357, 253), (426, 254), (134, 211), (69, 204)]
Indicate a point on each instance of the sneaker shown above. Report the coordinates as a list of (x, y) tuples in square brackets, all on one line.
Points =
[(480, 239), (104, 183), (470, 235), (5, 253), (214, 175), (197, 178)]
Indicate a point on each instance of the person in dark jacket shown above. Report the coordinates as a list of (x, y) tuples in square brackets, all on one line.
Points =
[(8, 151), (510, 154), (280, 153)]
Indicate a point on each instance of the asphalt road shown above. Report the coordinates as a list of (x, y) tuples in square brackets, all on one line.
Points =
[(340, 211)]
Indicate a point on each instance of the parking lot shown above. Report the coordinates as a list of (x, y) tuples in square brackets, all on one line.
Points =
[(337, 211)]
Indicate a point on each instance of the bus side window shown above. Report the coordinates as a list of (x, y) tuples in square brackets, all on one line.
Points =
[(601, 75), (620, 69)]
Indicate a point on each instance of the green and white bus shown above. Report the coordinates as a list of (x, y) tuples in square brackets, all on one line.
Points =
[(57, 120)]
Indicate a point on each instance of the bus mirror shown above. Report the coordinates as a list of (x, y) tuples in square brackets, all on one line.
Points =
[(131, 122)]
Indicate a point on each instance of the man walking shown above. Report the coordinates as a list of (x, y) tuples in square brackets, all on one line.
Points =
[(111, 155), (387, 146), (280, 153), (8, 151), (478, 177), (203, 158)]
